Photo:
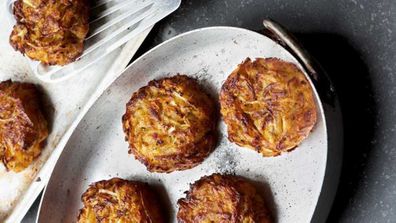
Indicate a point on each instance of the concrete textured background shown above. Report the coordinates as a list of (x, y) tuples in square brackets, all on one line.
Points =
[(355, 41)]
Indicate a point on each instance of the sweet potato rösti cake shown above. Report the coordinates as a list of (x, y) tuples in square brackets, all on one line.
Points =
[(268, 106), (23, 128), (170, 124), (223, 198), (51, 32), (123, 201)]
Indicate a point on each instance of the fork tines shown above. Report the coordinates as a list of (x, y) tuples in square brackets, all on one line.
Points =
[(110, 25)]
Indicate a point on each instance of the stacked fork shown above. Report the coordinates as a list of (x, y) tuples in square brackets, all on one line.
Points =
[(112, 24)]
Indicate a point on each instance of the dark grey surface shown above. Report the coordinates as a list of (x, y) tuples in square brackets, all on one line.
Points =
[(355, 41)]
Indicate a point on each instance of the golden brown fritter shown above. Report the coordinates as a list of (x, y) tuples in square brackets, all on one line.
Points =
[(223, 199), (170, 124), (121, 201), (51, 31), (23, 128), (268, 106)]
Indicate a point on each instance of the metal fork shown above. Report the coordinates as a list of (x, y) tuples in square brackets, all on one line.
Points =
[(112, 24)]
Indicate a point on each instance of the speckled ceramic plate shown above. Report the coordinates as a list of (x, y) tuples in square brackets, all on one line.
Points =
[(291, 182)]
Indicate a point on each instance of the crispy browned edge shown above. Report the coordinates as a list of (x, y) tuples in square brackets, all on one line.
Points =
[(35, 105), (225, 86), (183, 160), (61, 59), (228, 181), (152, 203)]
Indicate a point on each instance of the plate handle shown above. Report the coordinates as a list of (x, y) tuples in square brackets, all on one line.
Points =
[(317, 74)]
